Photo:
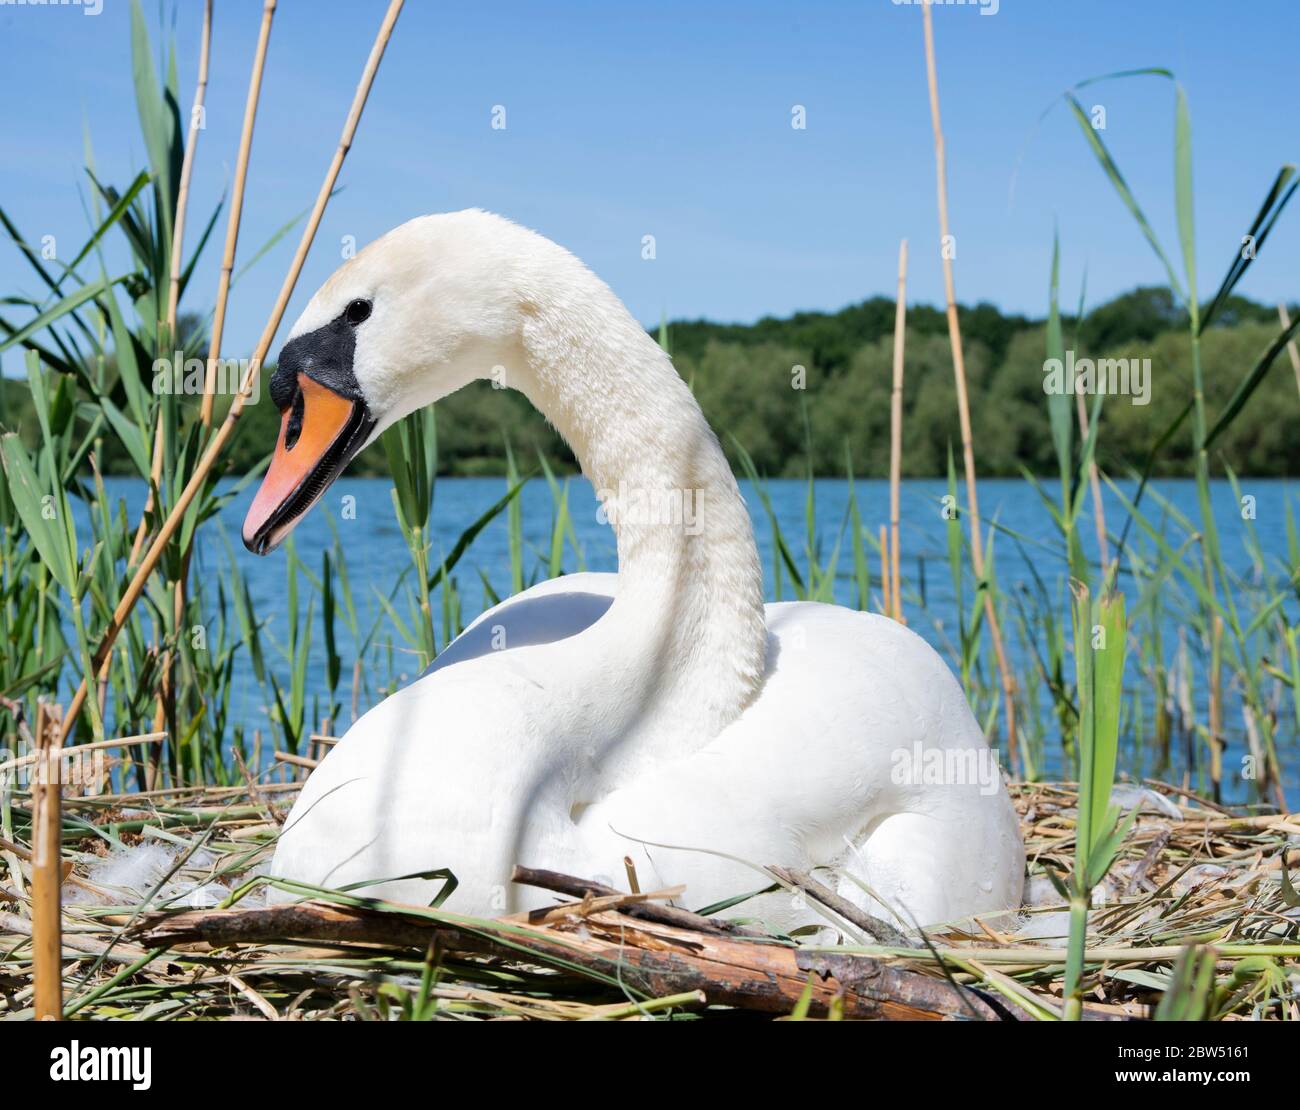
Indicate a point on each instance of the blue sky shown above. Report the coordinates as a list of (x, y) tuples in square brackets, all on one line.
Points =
[(674, 120)]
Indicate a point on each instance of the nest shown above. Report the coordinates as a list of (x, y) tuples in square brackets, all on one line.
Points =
[(1197, 918)]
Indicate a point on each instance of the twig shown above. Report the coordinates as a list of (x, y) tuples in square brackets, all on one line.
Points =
[(1184, 792), (879, 931), (117, 953), (297, 760), (81, 749), (19, 715), (563, 913), (1148, 860), (647, 911), (649, 957)]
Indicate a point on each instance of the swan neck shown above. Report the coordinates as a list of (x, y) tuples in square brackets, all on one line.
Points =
[(688, 617)]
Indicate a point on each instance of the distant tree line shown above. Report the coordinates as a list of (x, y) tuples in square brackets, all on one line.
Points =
[(745, 379)]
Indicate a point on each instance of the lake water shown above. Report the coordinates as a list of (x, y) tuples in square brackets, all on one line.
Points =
[(377, 555)]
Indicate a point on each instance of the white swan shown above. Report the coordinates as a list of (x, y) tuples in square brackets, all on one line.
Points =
[(663, 713)]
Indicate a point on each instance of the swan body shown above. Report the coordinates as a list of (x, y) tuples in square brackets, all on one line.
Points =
[(662, 714)]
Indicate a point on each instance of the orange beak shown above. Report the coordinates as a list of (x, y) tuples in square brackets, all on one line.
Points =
[(319, 433)]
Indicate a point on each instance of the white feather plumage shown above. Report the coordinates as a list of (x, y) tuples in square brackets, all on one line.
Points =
[(663, 713)]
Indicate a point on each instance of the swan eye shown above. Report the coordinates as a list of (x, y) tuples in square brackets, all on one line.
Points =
[(357, 312)]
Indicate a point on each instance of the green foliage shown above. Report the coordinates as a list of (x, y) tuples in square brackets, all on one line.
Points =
[(744, 387), (1100, 645), (1190, 996), (87, 407)]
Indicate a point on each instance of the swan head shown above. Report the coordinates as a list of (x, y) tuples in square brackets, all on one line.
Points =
[(420, 312)]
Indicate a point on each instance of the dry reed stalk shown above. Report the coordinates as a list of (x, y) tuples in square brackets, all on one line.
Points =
[(219, 315), (886, 592), (356, 688), (297, 760), (102, 674), (174, 285), (162, 715), (236, 210), (1216, 741), (82, 749), (963, 405), (117, 952), (155, 482), (165, 710), (1285, 317), (175, 793), (321, 742), (102, 679), (1094, 481), (218, 442), (47, 873), (896, 428), (187, 167)]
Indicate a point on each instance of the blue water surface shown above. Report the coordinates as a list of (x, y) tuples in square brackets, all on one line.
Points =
[(1027, 548)]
